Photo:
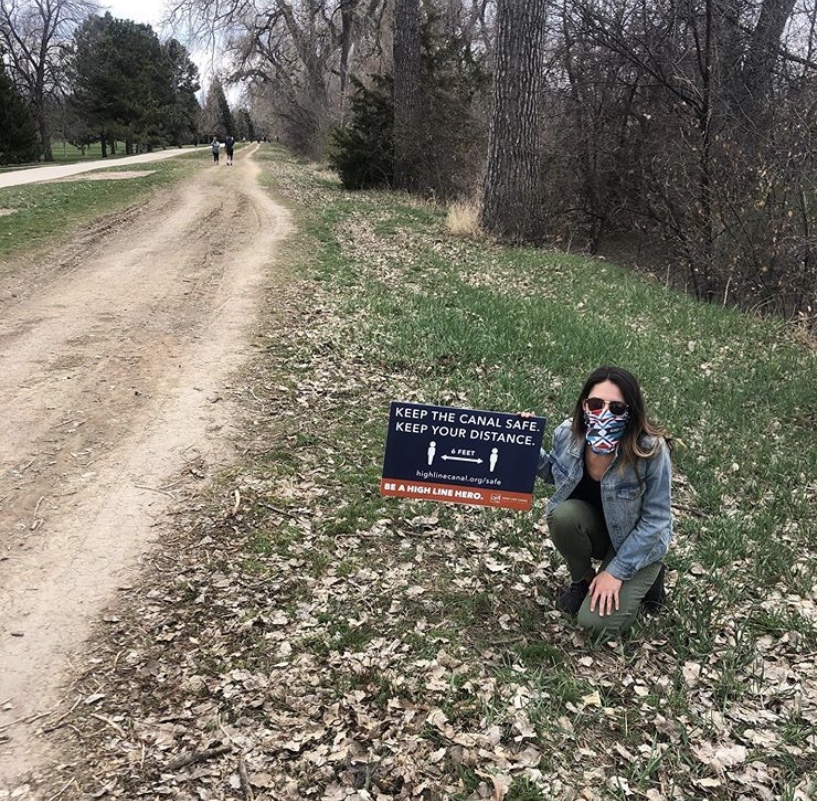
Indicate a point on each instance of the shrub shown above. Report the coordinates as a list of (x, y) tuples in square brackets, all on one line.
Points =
[(363, 152)]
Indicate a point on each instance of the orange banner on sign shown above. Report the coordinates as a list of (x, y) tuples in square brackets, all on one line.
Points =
[(451, 493)]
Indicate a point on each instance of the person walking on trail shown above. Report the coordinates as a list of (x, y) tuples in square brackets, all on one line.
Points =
[(215, 145), (229, 146), (611, 468)]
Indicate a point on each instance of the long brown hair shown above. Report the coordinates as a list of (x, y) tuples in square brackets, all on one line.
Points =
[(642, 437)]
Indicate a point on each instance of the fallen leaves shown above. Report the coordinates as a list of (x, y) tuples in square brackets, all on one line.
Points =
[(720, 757), (308, 640)]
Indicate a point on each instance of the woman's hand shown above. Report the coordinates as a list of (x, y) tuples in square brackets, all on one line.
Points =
[(604, 592)]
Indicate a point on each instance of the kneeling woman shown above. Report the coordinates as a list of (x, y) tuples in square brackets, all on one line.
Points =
[(611, 467)]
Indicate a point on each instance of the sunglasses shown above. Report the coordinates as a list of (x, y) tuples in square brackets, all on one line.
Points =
[(597, 404)]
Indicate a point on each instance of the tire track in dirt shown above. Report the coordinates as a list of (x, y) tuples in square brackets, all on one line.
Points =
[(111, 373)]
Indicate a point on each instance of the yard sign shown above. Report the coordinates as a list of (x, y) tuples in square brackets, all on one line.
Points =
[(441, 453)]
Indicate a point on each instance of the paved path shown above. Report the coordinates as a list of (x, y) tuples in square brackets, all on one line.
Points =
[(34, 175)]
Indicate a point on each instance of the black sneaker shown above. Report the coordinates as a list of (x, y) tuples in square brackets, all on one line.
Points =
[(570, 601), (656, 598)]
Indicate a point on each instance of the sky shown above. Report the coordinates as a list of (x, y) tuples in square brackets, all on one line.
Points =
[(143, 11)]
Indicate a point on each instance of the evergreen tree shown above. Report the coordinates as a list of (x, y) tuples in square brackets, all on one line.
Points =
[(363, 152), (128, 85), (75, 129), (19, 139), (246, 127), (182, 115), (226, 115), (94, 97), (218, 115)]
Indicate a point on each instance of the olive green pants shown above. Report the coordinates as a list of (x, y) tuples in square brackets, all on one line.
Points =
[(579, 533)]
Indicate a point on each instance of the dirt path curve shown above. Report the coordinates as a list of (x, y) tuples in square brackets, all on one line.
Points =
[(113, 363)]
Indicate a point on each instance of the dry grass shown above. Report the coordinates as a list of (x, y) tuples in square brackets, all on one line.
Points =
[(463, 219)]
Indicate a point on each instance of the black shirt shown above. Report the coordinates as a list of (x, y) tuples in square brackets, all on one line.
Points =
[(589, 490)]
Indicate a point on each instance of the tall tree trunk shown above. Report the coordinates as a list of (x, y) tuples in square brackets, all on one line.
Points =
[(701, 269), (347, 40), (512, 175), (45, 131), (763, 51), (407, 95)]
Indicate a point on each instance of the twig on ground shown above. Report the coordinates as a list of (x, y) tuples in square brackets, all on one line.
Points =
[(689, 509), (61, 790), (278, 510), (246, 787), (62, 717), (115, 726), (199, 756), (35, 521), (24, 719)]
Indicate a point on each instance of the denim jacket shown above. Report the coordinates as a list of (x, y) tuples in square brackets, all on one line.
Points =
[(636, 503)]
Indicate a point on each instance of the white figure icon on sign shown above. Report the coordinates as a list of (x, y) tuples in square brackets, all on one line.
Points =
[(432, 449), (494, 458)]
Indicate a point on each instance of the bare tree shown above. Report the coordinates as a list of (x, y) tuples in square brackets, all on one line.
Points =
[(35, 35), (296, 55), (707, 135), (512, 178)]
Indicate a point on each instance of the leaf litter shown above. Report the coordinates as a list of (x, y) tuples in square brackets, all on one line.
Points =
[(301, 638)]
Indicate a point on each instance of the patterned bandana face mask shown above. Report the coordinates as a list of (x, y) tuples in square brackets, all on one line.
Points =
[(604, 430)]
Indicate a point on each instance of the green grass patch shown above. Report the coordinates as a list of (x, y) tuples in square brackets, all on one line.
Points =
[(40, 215), (408, 648), (416, 314), (66, 153)]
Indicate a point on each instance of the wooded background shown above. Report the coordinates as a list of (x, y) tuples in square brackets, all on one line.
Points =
[(673, 134)]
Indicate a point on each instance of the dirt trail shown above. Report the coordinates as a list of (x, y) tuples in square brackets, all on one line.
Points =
[(114, 357)]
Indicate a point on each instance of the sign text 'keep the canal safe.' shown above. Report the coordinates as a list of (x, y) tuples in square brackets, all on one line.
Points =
[(441, 453)]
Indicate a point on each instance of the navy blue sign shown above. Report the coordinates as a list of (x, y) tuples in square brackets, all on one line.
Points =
[(441, 453)]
